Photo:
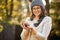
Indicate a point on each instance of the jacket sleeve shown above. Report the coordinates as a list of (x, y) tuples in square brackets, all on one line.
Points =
[(23, 37), (46, 29)]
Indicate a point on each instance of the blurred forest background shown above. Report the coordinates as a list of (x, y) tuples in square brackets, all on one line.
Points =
[(13, 11)]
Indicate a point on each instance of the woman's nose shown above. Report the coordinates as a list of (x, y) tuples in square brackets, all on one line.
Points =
[(36, 9)]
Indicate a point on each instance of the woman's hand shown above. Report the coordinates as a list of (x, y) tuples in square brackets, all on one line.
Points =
[(25, 26), (33, 32)]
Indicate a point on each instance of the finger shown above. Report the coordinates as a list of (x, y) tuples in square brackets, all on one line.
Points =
[(29, 26)]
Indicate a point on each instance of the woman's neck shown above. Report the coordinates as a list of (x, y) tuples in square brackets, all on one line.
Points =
[(37, 18)]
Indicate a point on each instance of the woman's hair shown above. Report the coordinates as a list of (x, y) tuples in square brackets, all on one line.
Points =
[(40, 16)]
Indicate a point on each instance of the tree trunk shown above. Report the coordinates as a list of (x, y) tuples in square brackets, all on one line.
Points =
[(11, 8), (47, 6)]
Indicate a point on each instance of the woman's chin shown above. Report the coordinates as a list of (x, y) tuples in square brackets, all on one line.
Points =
[(36, 15)]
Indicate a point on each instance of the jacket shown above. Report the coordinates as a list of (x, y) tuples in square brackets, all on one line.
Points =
[(42, 30)]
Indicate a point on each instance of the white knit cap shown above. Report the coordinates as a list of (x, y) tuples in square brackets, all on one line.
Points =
[(37, 2)]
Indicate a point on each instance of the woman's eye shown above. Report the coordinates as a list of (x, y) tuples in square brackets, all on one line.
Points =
[(38, 8)]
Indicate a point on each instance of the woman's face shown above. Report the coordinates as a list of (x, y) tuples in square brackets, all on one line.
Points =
[(36, 10)]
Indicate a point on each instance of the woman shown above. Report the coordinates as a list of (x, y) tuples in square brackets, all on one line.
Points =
[(38, 26)]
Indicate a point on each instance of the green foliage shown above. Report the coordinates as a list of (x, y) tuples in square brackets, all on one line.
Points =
[(56, 17)]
